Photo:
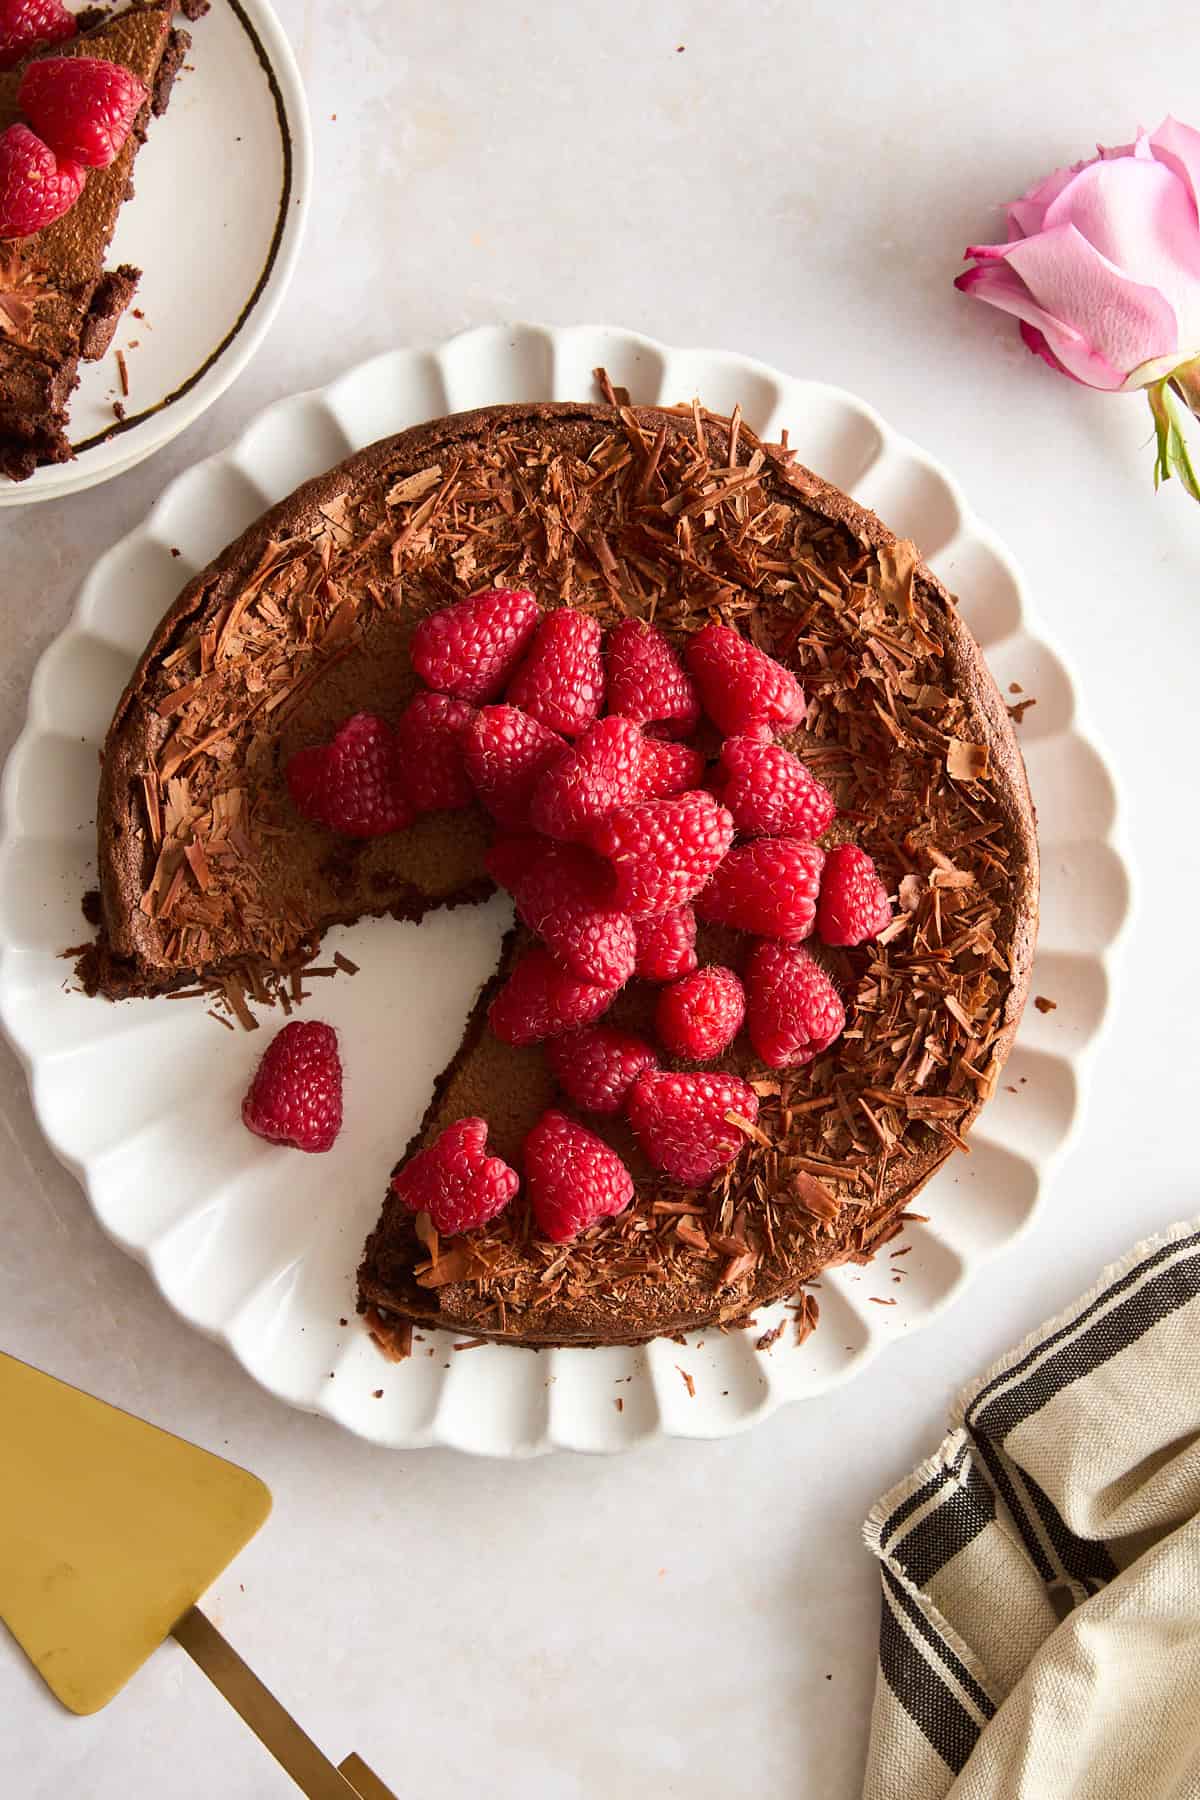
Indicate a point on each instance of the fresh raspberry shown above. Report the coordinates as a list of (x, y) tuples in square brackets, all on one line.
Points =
[(561, 681), (353, 784), (35, 188), (430, 741), (768, 886), (854, 902), (681, 1121), (793, 1010), (596, 1067), (563, 894), (599, 773), (541, 1000), (742, 689), (506, 754), (647, 682), (770, 792), (572, 1178), (82, 106), (455, 1181), (700, 1016), (471, 648), (668, 769), (666, 945), (27, 24), (296, 1095), (663, 851)]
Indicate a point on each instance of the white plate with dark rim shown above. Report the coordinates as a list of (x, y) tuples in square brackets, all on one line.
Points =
[(258, 1247), (222, 189)]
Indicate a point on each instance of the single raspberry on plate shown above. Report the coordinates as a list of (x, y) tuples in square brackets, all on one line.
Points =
[(455, 1181), (768, 886), (561, 681), (35, 188), (564, 895), (668, 769), (82, 106), (599, 773), (666, 945), (471, 648), (793, 1010), (431, 741), (682, 1120), (353, 784), (742, 689), (663, 851), (854, 903), (296, 1095), (572, 1178), (506, 754), (596, 1067), (27, 24), (770, 792), (698, 1017), (540, 999), (646, 680)]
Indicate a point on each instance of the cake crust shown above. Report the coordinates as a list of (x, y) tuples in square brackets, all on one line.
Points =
[(306, 617)]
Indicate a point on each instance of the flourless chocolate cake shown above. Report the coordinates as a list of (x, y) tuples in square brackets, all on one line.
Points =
[(210, 876), (58, 304)]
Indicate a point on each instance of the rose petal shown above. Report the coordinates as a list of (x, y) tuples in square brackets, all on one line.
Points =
[(1000, 285), (1027, 215), (1101, 324), (1141, 217), (1178, 147)]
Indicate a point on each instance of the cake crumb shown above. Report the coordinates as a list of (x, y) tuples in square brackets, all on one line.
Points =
[(175, 550), (378, 1394), (619, 1404), (1043, 1005)]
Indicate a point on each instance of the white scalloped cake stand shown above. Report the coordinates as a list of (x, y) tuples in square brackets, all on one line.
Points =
[(258, 1248)]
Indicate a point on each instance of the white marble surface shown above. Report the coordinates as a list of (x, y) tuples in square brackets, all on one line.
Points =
[(796, 182)]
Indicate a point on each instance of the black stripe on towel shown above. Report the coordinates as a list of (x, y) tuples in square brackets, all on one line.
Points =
[(919, 1685), (951, 1525)]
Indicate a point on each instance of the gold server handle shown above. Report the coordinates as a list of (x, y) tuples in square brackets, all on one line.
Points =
[(270, 1722)]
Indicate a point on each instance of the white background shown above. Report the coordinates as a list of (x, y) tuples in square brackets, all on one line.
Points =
[(796, 183)]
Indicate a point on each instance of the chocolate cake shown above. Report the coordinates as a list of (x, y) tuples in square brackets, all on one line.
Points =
[(58, 304), (210, 878)]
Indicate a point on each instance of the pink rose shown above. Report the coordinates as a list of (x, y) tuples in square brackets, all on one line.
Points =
[(1102, 268)]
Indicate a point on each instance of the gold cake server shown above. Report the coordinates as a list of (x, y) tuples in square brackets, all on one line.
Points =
[(110, 1531)]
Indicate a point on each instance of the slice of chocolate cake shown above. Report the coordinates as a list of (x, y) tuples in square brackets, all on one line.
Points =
[(58, 303), (209, 874)]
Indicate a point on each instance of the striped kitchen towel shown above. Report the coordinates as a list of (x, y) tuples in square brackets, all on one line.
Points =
[(1040, 1634)]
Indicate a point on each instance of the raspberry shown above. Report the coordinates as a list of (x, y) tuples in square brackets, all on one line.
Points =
[(854, 902), (647, 682), (666, 945), (430, 741), (563, 894), (668, 769), (793, 1010), (663, 851), (596, 1067), (506, 754), (82, 106), (700, 1016), (741, 688), (572, 1178), (540, 1000), (35, 188), (599, 773), (471, 648), (296, 1095), (352, 785), (770, 792), (561, 681), (681, 1121), (455, 1181), (768, 887), (26, 24)]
